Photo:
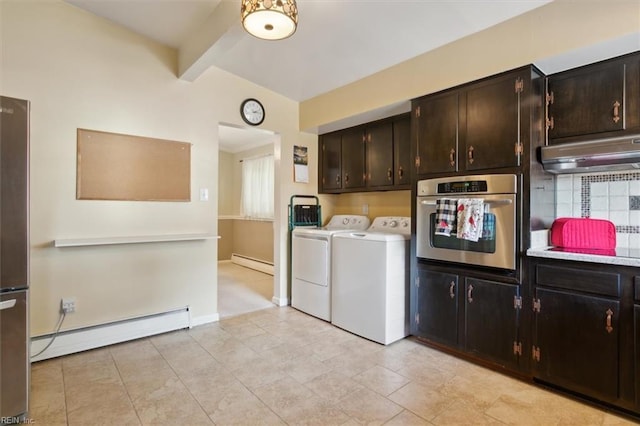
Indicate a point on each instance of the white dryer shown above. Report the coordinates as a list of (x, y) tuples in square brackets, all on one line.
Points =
[(370, 279), (311, 263)]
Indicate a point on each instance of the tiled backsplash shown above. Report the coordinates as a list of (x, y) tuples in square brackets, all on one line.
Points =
[(614, 196)]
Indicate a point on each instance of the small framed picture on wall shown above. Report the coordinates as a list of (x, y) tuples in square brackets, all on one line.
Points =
[(300, 164)]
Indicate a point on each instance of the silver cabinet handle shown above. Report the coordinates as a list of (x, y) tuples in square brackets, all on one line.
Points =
[(452, 288), (470, 294), (7, 304)]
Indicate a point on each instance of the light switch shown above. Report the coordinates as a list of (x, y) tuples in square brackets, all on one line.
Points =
[(204, 194), (365, 209)]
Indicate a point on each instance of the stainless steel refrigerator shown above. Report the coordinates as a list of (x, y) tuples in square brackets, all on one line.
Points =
[(14, 259)]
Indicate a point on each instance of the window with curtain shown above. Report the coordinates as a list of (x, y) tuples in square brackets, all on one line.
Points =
[(257, 187)]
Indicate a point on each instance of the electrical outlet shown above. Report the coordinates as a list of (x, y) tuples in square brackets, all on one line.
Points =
[(68, 305)]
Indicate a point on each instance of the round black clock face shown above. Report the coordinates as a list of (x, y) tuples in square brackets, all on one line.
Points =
[(252, 111)]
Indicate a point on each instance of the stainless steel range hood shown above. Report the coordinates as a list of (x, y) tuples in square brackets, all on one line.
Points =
[(621, 153)]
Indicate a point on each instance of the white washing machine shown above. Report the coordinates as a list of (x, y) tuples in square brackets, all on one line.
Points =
[(370, 279), (311, 263)]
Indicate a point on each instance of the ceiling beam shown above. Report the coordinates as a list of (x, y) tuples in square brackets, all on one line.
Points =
[(208, 40)]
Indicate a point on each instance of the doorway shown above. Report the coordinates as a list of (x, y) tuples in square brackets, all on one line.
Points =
[(245, 249)]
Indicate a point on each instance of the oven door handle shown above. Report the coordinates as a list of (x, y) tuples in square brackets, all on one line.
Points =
[(500, 202)]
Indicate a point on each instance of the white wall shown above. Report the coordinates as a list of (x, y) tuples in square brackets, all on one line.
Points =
[(557, 31), (80, 71)]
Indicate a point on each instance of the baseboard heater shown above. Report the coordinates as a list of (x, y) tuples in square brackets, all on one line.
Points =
[(249, 262), (92, 337)]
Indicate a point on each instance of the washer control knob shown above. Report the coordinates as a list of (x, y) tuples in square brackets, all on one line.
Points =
[(393, 223), (345, 221), (405, 224)]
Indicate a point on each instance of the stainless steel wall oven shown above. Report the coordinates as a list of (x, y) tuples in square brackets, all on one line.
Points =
[(495, 244)]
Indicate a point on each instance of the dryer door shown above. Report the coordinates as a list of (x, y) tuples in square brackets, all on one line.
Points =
[(310, 259)]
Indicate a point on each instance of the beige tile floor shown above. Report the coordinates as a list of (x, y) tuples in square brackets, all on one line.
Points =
[(242, 290), (281, 366)]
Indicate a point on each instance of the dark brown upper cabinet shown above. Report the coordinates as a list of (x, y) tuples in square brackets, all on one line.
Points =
[(379, 148), (330, 178), (482, 125), (388, 146), (342, 158), (492, 135), (371, 157), (402, 151), (599, 100), (437, 119), (353, 159)]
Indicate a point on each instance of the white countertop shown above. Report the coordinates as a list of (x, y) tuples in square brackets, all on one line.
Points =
[(619, 259)]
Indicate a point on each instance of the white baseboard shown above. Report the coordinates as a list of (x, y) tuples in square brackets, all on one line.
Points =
[(280, 301), (82, 339), (248, 262), (205, 319)]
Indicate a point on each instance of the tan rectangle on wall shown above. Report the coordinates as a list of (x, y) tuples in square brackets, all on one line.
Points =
[(114, 166), (254, 239)]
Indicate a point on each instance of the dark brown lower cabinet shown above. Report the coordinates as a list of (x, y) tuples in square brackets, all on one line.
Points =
[(436, 310), (636, 338), (636, 330), (491, 321), (586, 330), (571, 325), (577, 342), (474, 316)]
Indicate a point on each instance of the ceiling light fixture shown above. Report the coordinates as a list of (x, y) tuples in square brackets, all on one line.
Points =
[(269, 19)]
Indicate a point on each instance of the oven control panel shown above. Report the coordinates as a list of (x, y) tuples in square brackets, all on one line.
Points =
[(474, 184), (469, 186)]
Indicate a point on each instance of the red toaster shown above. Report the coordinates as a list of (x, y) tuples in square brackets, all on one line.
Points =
[(583, 233)]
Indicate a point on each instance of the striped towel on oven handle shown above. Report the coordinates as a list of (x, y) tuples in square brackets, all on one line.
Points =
[(446, 210)]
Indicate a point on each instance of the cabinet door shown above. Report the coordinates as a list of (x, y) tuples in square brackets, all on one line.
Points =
[(588, 100), (437, 133), (331, 170), (436, 309), (577, 337), (353, 176), (379, 144), (402, 152), (492, 123), (491, 320), (636, 315)]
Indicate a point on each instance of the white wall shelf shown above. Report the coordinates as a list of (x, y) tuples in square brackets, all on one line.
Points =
[(79, 242)]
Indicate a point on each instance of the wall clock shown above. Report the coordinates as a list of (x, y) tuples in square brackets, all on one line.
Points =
[(252, 111)]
